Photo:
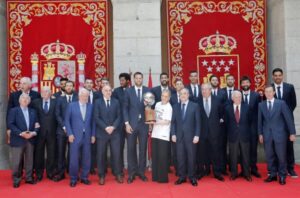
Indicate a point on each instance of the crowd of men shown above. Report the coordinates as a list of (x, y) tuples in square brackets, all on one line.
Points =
[(212, 129)]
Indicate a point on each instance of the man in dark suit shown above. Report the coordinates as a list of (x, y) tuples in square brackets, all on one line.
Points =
[(62, 90), (226, 94), (80, 127), (194, 87), (61, 134), (164, 85), (285, 91), (134, 118), (13, 101), (211, 113), (107, 115), (185, 131), (119, 94), (252, 99), (175, 99), (94, 95), (22, 121), (237, 121), (215, 91), (275, 126), (45, 108)]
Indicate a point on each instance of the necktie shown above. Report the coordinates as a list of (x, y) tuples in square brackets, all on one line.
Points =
[(83, 111), (183, 111), (214, 92), (26, 115), (69, 99), (237, 114), (246, 99), (278, 92), (139, 94), (270, 106), (107, 104), (195, 91), (229, 95), (46, 107), (206, 107)]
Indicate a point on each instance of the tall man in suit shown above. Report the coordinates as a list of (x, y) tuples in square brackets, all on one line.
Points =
[(252, 99), (237, 121), (80, 127), (285, 91), (226, 94), (107, 115), (61, 134), (22, 121), (215, 91), (119, 94), (175, 99), (164, 85), (94, 95), (134, 118), (194, 87), (211, 114), (62, 86), (185, 131), (13, 101), (275, 126), (45, 108)]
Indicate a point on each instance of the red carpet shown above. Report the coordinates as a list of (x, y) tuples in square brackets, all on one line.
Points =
[(207, 187)]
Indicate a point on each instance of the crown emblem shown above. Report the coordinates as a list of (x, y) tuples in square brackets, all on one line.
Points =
[(57, 50), (219, 43)]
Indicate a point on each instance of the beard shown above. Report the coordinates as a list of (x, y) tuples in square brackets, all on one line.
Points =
[(245, 88)]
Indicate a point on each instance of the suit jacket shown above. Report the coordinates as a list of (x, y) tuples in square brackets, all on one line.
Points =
[(157, 93), (288, 95), (13, 100), (96, 96), (174, 99), (133, 108), (57, 94), (17, 125), (47, 120), (76, 125), (192, 97), (241, 130), (119, 94), (225, 95), (105, 117), (189, 127), (255, 99), (60, 111), (211, 126), (277, 124)]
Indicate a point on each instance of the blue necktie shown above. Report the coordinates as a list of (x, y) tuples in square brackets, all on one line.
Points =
[(246, 99), (195, 91), (183, 111), (26, 115), (46, 107), (278, 92), (139, 94)]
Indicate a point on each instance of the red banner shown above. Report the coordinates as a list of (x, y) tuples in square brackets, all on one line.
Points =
[(217, 37), (48, 40)]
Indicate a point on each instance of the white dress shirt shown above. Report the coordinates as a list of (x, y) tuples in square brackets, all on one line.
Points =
[(281, 89)]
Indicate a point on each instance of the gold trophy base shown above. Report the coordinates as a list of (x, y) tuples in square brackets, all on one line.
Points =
[(149, 115)]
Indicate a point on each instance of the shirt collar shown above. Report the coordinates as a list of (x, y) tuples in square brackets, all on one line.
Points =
[(272, 101), (277, 85)]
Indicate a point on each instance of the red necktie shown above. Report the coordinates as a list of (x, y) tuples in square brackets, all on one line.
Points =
[(237, 114)]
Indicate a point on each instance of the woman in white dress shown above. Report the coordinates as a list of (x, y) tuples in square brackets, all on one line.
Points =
[(161, 138)]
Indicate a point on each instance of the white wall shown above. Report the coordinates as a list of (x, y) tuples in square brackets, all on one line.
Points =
[(137, 44)]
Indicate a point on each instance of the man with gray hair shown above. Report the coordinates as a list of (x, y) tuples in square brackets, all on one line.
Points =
[(80, 128), (45, 108), (22, 121), (237, 121)]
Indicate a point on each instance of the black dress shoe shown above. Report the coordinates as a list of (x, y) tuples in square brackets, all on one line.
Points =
[(219, 177), (233, 177), (270, 179), (241, 174), (198, 177), (224, 173), (16, 184), (194, 182), (73, 183), (39, 178), (50, 177), (256, 174), (248, 178), (30, 182), (58, 178), (85, 181), (92, 172), (130, 179), (119, 179), (143, 178), (180, 181), (293, 174), (282, 181)]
